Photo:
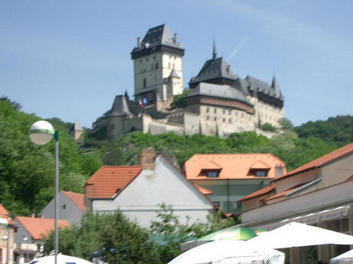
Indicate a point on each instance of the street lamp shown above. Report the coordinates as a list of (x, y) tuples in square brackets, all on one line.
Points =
[(5, 222), (40, 133)]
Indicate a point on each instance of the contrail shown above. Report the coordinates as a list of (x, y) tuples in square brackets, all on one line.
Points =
[(237, 47)]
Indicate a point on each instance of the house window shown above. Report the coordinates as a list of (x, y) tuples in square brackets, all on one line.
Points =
[(212, 174), (261, 173)]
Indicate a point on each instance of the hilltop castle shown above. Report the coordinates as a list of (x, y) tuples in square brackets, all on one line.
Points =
[(217, 102)]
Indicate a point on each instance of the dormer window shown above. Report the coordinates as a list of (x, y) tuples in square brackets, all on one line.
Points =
[(212, 174), (261, 173)]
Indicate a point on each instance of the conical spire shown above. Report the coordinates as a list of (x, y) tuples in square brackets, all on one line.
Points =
[(275, 87), (214, 52)]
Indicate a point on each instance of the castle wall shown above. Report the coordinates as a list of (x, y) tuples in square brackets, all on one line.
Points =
[(191, 124), (266, 113)]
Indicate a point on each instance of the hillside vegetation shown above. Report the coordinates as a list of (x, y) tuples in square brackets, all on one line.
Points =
[(27, 170)]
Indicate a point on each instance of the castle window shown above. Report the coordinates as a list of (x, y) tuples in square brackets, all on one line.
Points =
[(215, 110), (224, 111), (230, 111), (144, 83), (230, 120), (208, 118), (157, 65), (207, 110), (224, 120), (215, 119)]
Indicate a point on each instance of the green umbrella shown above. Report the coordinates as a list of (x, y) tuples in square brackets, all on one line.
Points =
[(235, 233)]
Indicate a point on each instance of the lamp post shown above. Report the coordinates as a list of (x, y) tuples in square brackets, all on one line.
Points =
[(40, 133), (5, 222)]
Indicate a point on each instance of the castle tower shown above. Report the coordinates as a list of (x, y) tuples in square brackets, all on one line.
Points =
[(157, 58)]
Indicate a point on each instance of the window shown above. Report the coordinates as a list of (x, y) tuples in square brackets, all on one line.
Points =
[(207, 110), (214, 118), (224, 120), (212, 174), (208, 118), (261, 173), (230, 120), (144, 83), (215, 110), (64, 206), (224, 111), (157, 65)]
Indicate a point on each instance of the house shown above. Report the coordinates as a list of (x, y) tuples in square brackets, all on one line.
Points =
[(29, 234), (317, 193), (138, 191), (232, 176), (7, 227), (219, 102), (71, 207)]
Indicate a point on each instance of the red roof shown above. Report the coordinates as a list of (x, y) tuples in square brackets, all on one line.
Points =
[(338, 153), (110, 180), (203, 190), (39, 227), (232, 166), (5, 214), (259, 192), (76, 198)]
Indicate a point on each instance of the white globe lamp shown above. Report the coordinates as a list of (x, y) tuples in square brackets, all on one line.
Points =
[(41, 132)]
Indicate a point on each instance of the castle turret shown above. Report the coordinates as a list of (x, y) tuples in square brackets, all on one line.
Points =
[(155, 58)]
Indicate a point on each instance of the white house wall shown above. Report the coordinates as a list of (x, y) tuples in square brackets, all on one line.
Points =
[(143, 196)]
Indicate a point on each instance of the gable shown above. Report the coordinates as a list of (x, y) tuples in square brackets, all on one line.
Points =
[(163, 185)]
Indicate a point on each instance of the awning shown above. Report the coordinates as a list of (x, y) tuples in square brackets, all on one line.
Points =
[(321, 216), (314, 217)]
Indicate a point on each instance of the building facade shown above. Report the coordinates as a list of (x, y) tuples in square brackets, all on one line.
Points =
[(317, 193), (139, 191), (232, 176), (71, 207), (217, 101)]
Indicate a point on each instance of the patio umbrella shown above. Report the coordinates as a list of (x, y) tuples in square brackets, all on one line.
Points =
[(300, 235), (229, 252), (345, 258), (237, 233), (62, 259)]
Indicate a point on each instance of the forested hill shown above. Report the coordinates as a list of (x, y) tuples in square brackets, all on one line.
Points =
[(27, 170)]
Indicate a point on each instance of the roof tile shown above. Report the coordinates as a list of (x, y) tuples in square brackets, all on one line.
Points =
[(39, 227), (234, 166), (347, 149), (109, 180), (76, 198)]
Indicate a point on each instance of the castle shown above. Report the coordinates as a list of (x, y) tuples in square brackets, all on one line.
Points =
[(217, 102)]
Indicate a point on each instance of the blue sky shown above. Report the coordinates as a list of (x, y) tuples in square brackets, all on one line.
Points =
[(69, 58)]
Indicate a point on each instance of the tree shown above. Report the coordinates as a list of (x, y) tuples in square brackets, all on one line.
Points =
[(168, 227), (112, 236)]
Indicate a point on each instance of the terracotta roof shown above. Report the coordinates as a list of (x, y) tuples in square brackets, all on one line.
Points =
[(259, 164), (5, 214), (349, 179), (110, 180), (203, 190), (259, 192), (234, 166), (76, 198), (345, 150), (39, 227), (281, 194)]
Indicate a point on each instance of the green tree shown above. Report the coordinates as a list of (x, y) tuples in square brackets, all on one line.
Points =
[(117, 240)]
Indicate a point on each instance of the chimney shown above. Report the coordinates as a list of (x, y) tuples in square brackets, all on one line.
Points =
[(147, 158), (138, 42)]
